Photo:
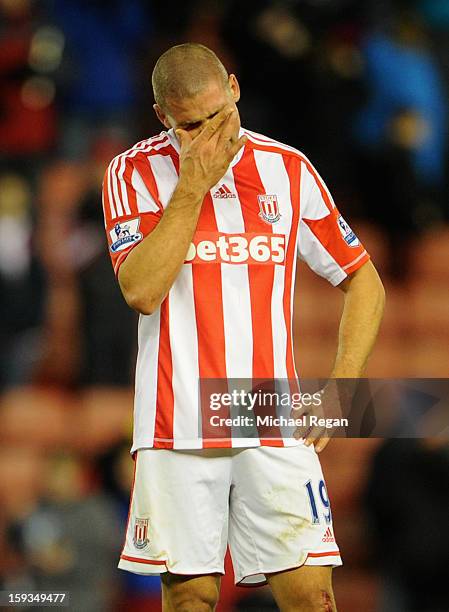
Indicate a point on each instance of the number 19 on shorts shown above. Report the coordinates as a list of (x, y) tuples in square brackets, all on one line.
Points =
[(323, 507)]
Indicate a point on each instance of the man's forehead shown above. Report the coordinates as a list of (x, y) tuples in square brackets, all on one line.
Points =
[(196, 108)]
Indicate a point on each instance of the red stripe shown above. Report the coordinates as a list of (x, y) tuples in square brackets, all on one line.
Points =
[(131, 192), (137, 560), (163, 428), (165, 402), (261, 279), (335, 553), (130, 500), (293, 168), (207, 289)]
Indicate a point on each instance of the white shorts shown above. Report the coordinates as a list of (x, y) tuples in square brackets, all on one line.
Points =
[(268, 503)]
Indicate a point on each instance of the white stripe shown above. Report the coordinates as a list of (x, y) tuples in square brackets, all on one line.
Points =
[(146, 380), (118, 204), (235, 291), (110, 197), (184, 346), (123, 186), (165, 174), (237, 318), (145, 201)]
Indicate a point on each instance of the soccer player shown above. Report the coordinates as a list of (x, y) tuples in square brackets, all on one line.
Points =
[(204, 223)]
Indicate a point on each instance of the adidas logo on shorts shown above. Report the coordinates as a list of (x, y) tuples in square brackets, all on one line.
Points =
[(328, 536)]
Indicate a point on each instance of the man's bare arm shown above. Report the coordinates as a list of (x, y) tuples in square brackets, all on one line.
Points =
[(362, 313), (149, 271)]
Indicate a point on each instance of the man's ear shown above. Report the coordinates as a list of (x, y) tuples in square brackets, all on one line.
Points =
[(161, 116), (235, 87)]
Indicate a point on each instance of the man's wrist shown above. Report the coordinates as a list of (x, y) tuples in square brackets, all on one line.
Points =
[(190, 191)]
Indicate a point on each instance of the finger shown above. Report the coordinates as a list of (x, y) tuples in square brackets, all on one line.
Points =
[(322, 443), (299, 412), (183, 137), (226, 131), (302, 431), (315, 434), (214, 124), (319, 438), (235, 148), (303, 427)]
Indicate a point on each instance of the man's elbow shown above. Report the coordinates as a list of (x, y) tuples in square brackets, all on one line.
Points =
[(141, 304), (140, 301)]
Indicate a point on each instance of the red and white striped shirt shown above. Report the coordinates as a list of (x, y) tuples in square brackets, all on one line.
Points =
[(228, 315)]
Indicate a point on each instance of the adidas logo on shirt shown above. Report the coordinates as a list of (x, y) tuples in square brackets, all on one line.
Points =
[(223, 192), (328, 536)]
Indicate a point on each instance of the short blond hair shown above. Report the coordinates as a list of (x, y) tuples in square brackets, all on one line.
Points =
[(183, 71)]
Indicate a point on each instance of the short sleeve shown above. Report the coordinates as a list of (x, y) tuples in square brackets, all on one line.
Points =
[(131, 207), (326, 242)]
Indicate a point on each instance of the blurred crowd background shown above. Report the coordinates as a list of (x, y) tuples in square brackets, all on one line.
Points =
[(360, 86)]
